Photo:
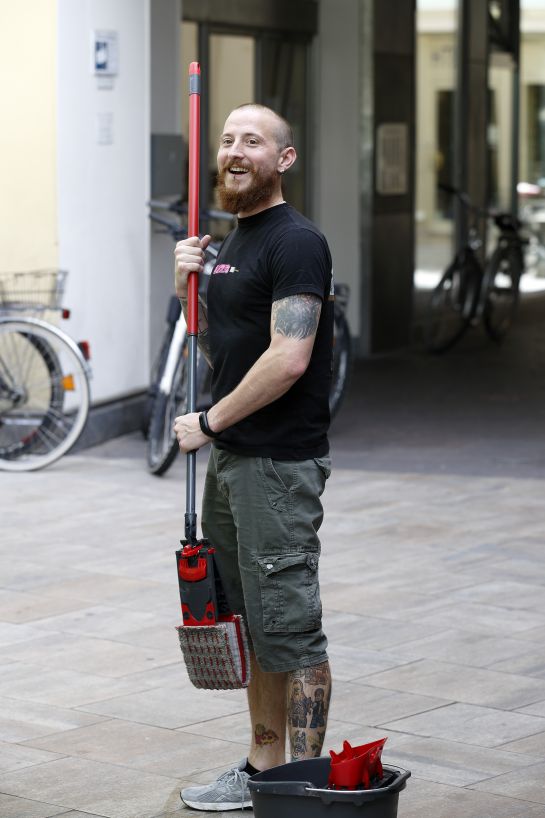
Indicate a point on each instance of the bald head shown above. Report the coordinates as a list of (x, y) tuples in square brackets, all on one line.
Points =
[(255, 149), (283, 133)]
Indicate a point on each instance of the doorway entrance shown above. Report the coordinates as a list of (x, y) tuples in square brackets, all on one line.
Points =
[(259, 63)]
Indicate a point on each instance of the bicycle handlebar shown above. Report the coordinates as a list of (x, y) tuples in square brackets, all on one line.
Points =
[(463, 197), (180, 208), (467, 203), (504, 220), (176, 230)]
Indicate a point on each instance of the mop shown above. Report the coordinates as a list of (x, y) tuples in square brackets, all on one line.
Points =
[(213, 640)]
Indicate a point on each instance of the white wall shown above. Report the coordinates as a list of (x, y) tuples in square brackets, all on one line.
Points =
[(337, 163), (103, 189)]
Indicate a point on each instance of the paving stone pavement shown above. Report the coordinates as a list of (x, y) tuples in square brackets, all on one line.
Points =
[(433, 585)]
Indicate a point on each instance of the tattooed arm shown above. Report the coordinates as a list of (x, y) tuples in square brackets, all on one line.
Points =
[(202, 338), (189, 258), (294, 322)]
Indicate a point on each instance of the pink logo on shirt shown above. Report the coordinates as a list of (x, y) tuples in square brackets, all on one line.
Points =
[(224, 268)]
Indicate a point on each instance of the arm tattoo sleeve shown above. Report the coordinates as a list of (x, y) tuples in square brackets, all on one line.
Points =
[(204, 345), (202, 338), (296, 316)]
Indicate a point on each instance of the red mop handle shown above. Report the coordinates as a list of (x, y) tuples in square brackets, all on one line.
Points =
[(193, 193), (192, 312)]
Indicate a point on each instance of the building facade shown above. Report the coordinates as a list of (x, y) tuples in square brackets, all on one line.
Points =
[(97, 104)]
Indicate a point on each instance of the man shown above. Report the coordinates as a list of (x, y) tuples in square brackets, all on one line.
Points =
[(267, 332)]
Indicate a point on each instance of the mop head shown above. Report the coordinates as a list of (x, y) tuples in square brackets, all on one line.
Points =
[(217, 656)]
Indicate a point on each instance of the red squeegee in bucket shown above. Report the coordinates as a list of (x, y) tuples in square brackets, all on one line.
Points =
[(213, 640)]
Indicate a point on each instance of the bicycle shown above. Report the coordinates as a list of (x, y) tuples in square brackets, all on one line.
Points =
[(469, 290), (167, 393), (44, 374), (168, 386)]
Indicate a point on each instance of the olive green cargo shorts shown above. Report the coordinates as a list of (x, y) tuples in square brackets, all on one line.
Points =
[(263, 516)]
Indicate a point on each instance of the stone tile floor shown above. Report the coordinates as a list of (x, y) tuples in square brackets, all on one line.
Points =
[(433, 581)]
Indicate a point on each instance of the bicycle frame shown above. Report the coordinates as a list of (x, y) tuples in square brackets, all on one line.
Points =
[(175, 351), (508, 240)]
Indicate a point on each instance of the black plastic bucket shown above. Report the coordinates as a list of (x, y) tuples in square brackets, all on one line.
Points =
[(299, 790)]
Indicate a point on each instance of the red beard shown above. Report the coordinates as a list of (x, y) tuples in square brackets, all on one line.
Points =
[(260, 190)]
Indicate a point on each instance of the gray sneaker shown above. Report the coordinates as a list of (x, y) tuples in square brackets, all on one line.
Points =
[(229, 791)]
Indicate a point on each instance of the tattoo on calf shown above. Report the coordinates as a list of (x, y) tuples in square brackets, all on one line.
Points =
[(316, 675), (299, 705), (296, 316), (308, 705), (317, 742), (264, 735), (319, 709), (298, 744)]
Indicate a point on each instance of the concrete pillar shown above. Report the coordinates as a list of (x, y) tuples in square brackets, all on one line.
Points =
[(335, 121), (471, 114), (167, 84), (387, 180), (472, 103)]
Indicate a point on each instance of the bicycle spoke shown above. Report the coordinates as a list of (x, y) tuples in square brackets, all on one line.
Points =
[(46, 435)]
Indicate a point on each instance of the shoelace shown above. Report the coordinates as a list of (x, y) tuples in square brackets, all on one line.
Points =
[(237, 776)]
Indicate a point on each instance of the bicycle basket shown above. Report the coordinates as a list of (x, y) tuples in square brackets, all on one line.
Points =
[(31, 291)]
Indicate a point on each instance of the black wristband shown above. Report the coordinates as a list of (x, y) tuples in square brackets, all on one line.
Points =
[(205, 428)]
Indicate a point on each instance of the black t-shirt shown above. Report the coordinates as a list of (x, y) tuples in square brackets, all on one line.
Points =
[(271, 255)]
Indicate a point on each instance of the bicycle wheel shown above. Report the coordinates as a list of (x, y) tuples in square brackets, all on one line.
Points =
[(173, 313), (342, 358), (162, 441), (44, 394), (452, 306), (502, 292)]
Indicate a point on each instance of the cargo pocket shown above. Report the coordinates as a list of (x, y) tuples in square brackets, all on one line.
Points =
[(279, 480), (324, 464), (290, 594)]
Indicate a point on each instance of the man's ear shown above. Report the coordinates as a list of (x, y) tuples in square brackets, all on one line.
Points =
[(286, 159)]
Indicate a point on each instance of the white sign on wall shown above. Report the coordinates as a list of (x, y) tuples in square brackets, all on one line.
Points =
[(105, 53), (392, 159)]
